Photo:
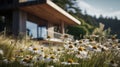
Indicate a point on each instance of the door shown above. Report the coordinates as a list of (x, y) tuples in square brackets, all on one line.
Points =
[(42, 32)]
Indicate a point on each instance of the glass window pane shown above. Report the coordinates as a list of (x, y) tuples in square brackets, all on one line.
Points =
[(31, 29), (42, 32)]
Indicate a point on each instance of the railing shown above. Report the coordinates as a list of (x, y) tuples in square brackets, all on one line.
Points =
[(70, 36), (58, 35)]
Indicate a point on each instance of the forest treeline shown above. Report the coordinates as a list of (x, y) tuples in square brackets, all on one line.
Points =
[(89, 23)]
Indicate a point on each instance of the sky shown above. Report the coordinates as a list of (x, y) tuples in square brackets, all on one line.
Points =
[(109, 8)]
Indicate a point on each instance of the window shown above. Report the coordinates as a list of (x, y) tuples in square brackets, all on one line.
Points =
[(36, 31), (42, 32), (31, 29)]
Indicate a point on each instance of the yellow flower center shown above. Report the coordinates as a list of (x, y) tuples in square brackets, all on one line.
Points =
[(58, 49), (70, 46), (103, 49), (70, 42), (80, 41), (51, 53), (65, 36), (27, 60), (21, 50), (91, 40), (45, 56), (70, 61), (34, 49), (42, 50), (41, 47), (81, 48), (52, 57), (29, 57), (78, 53), (94, 47), (113, 38), (48, 37), (112, 62), (118, 46)]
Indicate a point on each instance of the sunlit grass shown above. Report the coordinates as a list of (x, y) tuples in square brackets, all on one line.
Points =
[(25, 52)]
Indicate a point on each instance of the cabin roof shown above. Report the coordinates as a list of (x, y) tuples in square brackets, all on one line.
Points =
[(51, 12), (57, 8)]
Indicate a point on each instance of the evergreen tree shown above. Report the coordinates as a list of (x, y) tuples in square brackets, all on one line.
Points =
[(82, 29), (89, 23)]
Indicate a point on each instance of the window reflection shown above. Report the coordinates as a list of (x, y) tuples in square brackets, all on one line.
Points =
[(42, 32), (36, 31), (31, 29)]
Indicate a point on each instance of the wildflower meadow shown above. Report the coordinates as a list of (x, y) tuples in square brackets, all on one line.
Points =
[(91, 51)]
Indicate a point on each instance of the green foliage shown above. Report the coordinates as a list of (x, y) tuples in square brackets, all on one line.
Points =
[(77, 31), (109, 22), (100, 30), (80, 30)]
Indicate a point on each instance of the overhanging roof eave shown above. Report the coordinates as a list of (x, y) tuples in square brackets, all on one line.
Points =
[(53, 5)]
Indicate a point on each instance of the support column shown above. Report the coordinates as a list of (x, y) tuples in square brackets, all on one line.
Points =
[(62, 28), (19, 22), (50, 30)]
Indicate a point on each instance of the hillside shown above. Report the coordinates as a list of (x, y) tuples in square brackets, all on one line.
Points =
[(89, 23)]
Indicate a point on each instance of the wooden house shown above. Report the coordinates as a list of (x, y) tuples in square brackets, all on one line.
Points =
[(37, 18)]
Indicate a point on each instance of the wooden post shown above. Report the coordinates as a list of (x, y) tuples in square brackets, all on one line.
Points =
[(19, 22), (50, 30), (62, 28)]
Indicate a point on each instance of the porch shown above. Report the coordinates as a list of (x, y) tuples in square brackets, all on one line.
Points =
[(57, 38), (39, 31)]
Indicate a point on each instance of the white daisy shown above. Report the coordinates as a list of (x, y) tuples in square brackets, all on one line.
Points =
[(82, 55)]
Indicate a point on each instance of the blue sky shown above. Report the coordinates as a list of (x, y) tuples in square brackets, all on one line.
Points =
[(108, 8)]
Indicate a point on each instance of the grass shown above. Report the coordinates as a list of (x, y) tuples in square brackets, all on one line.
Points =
[(28, 53)]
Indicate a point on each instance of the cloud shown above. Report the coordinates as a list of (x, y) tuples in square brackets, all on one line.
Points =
[(96, 11), (89, 8)]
